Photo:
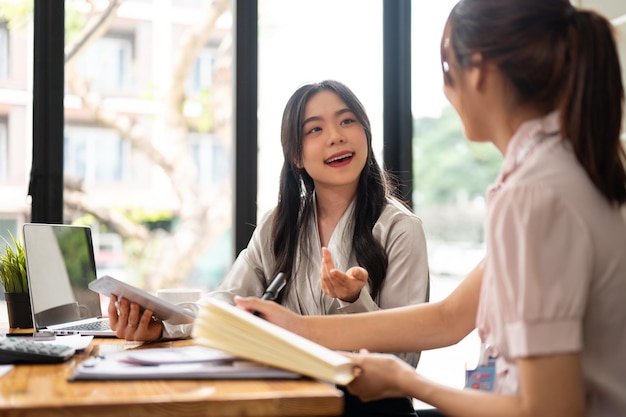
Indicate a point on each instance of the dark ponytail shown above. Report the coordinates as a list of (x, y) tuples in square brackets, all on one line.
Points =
[(593, 103)]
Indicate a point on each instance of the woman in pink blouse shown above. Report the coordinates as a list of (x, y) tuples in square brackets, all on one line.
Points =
[(541, 80)]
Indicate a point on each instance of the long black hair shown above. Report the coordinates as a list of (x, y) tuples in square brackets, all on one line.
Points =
[(295, 197), (556, 57)]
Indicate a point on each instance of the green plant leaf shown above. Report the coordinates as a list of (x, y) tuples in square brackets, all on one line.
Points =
[(13, 268)]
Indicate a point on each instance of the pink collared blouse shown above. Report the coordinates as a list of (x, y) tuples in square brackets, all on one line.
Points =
[(555, 272)]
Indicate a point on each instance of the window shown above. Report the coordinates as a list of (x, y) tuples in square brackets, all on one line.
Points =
[(147, 153), (108, 63), (95, 155), (449, 202), (211, 159), (4, 151), (16, 51), (4, 51), (294, 50), (201, 77)]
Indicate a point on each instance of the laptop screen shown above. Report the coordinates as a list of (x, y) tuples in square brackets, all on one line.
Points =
[(60, 265)]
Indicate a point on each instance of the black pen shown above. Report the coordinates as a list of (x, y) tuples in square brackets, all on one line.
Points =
[(277, 284)]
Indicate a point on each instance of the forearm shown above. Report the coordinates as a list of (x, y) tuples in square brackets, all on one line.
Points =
[(403, 329), (549, 386), (454, 402), (365, 304)]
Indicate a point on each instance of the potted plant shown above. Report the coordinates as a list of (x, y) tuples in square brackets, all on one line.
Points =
[(15, 284)]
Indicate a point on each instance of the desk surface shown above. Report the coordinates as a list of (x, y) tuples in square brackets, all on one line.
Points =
[(36, 390)]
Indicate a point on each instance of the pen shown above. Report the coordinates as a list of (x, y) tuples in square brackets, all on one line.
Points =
[(277, 284)]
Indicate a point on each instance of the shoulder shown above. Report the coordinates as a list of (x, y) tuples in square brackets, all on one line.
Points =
[(533, 209), (396, 211), (266, 221), (397, 221)]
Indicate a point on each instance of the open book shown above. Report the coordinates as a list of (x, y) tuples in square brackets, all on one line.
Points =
[(222, 326)]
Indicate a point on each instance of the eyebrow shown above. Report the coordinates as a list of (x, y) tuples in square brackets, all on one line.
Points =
[(316, 118)]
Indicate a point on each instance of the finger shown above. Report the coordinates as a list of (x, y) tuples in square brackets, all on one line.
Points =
[(155, 327), (327, 259), (146, 318), (330, 284), (339, 280), (133, 316), (123, 310), (250, 304), (112, 310), (359, 274), (149, 328)]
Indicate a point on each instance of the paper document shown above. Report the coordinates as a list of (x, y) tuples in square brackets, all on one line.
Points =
[(186, 362)]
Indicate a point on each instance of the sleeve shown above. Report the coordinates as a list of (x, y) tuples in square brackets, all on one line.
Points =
[(407, 280), (248, 274), (246, 277), (541, 256)]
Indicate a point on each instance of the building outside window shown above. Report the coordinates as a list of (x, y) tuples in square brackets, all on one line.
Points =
[(4, 51), (211, 159), (108, 63), (155, 92), (201, 77), (4, 151), (15, 118), (96, 155)]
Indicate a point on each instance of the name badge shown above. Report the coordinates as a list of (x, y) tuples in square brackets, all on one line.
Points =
[(483, 377)]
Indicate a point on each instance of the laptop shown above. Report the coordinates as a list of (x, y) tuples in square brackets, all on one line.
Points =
[(60, 265)]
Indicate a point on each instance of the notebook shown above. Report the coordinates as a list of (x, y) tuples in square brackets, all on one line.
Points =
[(60, 265)]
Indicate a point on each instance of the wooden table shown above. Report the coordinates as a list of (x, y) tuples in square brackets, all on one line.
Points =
[(43, 390)]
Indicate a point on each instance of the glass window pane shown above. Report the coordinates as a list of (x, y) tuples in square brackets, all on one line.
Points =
[(149, 157), (16, 50), (4, 150), (309, 41), (449, 201), (4, 51)]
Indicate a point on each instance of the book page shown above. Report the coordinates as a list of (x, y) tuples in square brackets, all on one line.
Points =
[(225, 327)]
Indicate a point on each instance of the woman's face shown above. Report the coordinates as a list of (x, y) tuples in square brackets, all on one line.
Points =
[(334, 144)]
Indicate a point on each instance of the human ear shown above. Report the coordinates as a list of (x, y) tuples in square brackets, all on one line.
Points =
[(477, 72)]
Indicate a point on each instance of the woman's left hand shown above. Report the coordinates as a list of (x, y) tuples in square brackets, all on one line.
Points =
[(345, 286), (379, 376), (130, 323)]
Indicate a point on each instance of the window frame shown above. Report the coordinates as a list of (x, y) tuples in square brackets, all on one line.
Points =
[(46, 187)]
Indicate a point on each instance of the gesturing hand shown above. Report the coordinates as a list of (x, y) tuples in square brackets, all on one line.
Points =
[(345, 286)]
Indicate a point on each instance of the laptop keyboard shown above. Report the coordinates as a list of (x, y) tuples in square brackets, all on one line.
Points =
[(96, 325)]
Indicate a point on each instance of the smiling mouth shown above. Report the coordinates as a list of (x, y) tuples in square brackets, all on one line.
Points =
[(339, 159)]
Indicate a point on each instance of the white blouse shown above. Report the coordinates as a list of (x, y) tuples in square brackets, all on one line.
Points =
[(398, 230)]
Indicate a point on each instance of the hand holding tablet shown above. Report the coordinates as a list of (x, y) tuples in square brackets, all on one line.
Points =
[(161, 308)]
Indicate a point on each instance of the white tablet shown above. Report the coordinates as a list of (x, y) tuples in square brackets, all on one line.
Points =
[(162, 309)]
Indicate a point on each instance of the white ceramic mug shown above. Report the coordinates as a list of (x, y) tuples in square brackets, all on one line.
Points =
[(179, 295), (183, 297)]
